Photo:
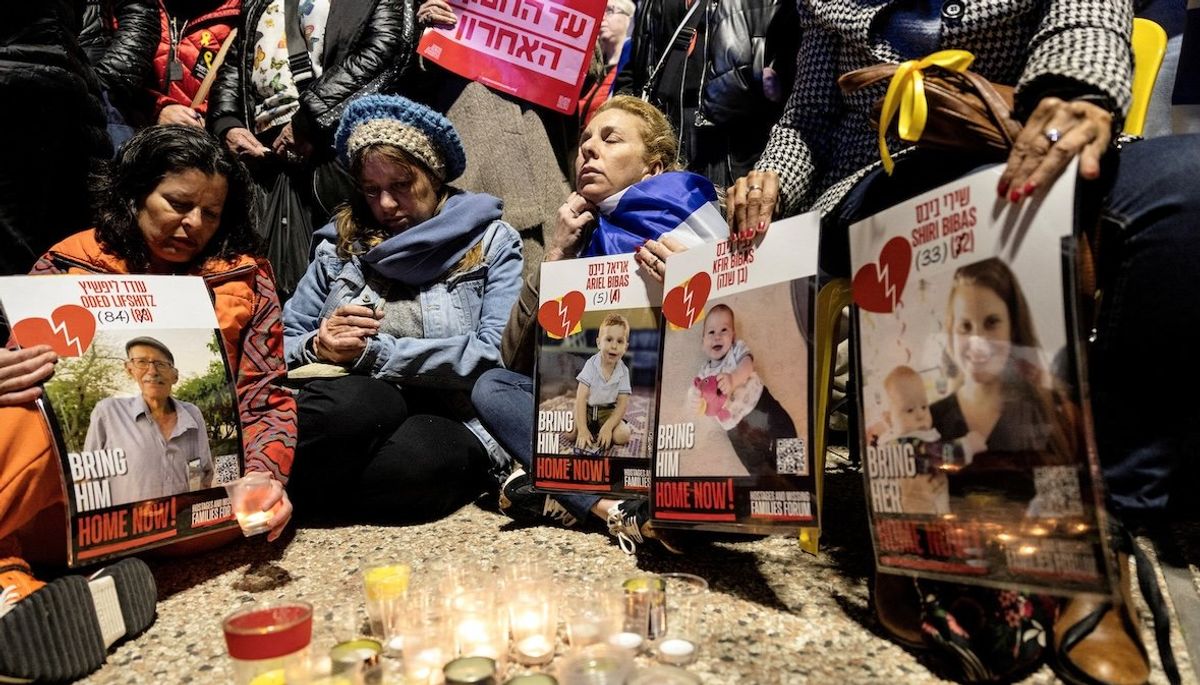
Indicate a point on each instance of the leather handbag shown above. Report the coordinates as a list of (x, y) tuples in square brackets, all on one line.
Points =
[(965, 111)]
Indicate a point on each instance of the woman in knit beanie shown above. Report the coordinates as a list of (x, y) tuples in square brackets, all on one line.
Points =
[(401, 310)]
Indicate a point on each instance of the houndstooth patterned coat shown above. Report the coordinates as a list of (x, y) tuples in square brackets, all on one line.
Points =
[(824, 141)]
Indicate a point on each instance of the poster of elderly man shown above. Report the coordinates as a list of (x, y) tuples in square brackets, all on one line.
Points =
[(141, 404), (164, 439)]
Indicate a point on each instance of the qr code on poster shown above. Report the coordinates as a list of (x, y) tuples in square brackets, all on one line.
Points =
[(226, 467), (1058, 493), (789, 457)]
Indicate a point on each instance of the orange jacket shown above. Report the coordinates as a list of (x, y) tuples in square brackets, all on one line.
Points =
[(248, 313)]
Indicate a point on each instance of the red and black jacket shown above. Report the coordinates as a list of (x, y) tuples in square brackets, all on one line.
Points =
[(193, 39)]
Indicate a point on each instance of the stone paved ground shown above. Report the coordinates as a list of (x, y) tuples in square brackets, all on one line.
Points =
[(775, 614)]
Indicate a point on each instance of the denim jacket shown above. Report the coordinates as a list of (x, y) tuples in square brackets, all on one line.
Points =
[(463, 317)]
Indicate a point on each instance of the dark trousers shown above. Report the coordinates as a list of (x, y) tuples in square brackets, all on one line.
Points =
[(371, 451), (504, 401)]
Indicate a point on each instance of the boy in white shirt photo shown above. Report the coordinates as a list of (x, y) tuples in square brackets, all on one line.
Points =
[(602, 397)]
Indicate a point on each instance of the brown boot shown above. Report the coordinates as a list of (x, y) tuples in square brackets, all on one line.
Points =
[(1098, 642), (898, 608)]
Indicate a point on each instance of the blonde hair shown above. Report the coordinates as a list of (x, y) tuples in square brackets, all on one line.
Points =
[(615, 320), (357, 231), (657, 135)]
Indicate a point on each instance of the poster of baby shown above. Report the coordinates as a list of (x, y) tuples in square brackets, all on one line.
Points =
[(733, 435), (596, 379), (141, 405), (977, 461)]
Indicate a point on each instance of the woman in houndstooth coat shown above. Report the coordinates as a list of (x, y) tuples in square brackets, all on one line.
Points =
[(1061, 48)]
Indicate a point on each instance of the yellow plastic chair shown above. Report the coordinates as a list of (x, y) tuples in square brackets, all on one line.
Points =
[(831, 300), (1149, 45)]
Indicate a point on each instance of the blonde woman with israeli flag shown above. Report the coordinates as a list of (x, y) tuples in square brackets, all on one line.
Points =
[(630, 197)]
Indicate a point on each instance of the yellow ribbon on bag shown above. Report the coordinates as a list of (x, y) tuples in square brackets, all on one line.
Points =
[(906, 93)]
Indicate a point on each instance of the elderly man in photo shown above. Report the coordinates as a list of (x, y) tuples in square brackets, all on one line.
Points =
[(164, 439)]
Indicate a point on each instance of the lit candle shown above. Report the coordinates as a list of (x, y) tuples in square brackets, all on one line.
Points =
[(630, 641), (535, 649), (254, 522), (472, 631), (676, 651)]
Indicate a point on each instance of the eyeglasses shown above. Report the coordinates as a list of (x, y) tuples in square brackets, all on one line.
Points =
[(141, 363), (609, 11)]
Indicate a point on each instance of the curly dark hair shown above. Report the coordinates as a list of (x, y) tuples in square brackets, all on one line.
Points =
[(120, 188)]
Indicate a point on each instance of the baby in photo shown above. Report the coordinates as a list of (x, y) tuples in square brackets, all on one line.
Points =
[(729, 390), (602, 397), (909, 420)]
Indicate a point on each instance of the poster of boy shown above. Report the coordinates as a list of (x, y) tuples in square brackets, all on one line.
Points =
[(733, 432), (975, 454), (141, 404), (596, 378)]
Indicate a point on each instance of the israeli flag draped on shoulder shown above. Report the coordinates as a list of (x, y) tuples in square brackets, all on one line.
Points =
[(680, 204)]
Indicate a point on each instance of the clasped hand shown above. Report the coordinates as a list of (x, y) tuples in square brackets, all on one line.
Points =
[(342, 337)]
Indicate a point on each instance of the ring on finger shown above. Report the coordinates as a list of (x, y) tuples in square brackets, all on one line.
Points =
[(751, 189), (1053, 135)]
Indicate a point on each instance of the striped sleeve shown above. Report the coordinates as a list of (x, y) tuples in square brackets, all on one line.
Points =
[(267, 409), (795, 150), (1086, 41)]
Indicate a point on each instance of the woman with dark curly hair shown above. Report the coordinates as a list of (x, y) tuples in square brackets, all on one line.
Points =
[(174, 201)]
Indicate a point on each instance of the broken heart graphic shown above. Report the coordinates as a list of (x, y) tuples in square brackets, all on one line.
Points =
[(560, 317), (69, 331), (684, 304), (880, 288)]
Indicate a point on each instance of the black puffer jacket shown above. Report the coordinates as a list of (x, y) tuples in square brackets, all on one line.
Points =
[(744, 38), (368, 44), (52, 126), (121, 56), (739, 37)]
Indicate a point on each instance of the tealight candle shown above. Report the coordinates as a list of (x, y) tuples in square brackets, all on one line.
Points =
[(254, 521), (385, 585), (677, 651), (626, 640), (535, 649)]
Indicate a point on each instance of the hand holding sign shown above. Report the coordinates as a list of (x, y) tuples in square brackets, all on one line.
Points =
[(21, 372), (436, 13)]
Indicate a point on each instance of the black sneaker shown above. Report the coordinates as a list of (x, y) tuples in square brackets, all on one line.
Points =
[(64, 630), (629, 522), (521, 503)]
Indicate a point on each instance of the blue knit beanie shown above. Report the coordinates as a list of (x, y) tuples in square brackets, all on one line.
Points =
[(412, 127)]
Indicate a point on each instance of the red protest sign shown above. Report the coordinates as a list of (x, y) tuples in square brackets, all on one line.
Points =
[(537, 50)]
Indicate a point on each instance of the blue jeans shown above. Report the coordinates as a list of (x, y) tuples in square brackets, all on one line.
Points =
[(1145, 209), (503, 400)]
